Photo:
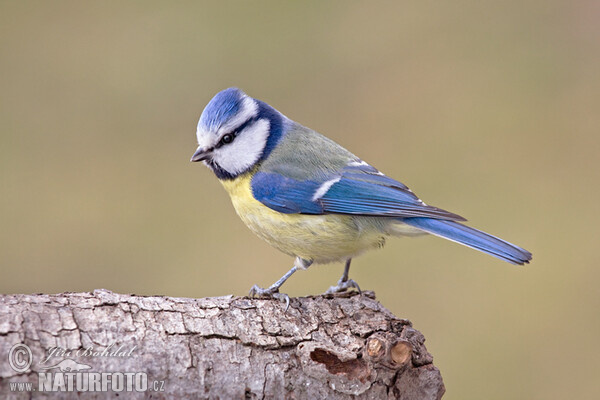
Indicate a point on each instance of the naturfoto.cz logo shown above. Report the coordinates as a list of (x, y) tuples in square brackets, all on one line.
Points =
[(69, 375)]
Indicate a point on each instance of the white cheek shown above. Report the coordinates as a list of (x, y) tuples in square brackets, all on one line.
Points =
[(245, 150)]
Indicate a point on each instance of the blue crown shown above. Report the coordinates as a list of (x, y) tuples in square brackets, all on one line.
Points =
[(221, 108)]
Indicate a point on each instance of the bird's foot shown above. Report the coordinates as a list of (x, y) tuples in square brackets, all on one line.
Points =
[(342, 286), (270, 293)]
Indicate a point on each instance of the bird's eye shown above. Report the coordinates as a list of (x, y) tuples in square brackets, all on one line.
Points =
[(227, 138)]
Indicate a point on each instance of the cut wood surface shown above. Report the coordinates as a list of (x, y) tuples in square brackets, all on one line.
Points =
[(324, 347)]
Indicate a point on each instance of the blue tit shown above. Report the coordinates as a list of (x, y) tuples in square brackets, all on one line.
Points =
[(311, 198)]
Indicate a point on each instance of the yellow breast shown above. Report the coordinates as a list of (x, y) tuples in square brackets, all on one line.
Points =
[(321, 238)]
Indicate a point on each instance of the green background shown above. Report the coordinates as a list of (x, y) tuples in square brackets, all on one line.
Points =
[(487, 109)]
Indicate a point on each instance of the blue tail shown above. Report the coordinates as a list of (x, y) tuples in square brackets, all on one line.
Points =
[(471, 237)]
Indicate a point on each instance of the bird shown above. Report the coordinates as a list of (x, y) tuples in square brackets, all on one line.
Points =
[(312, 199)]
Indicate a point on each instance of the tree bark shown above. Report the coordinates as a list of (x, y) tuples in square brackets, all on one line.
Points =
[(323, 347)]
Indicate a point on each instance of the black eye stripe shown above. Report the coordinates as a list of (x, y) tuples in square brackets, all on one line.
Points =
[(245, 125), (225, 139), (232, 135)]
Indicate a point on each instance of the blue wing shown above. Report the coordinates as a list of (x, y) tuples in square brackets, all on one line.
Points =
[(358, 189)]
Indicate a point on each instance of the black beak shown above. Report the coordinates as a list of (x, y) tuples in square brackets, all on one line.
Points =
[(201, 155)]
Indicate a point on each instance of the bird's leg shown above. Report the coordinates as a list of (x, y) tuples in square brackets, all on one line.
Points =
[(344, 283), (273, 290)]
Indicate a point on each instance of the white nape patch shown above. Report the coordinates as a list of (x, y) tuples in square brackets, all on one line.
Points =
[(248, 110), (320, 192), (245, 150)]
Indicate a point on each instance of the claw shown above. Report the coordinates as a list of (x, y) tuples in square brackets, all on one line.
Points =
[(283, 298), (344, 283), (342, 286), (270, 293)]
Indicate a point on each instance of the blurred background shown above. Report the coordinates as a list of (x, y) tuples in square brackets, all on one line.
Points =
[(488, 110)]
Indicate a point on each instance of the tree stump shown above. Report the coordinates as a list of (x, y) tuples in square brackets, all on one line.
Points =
[(324, 347)]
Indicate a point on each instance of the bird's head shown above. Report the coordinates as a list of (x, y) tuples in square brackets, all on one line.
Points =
[(235, 132)]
